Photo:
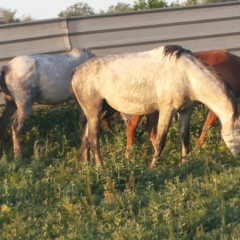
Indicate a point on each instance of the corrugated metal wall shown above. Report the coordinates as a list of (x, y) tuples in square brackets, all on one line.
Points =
[(34, 37), (198, 28)]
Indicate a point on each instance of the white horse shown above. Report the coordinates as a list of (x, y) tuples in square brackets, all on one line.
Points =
[(43, 78), (169, 78)]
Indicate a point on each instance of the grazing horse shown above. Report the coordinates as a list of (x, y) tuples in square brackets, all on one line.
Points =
[(227, 64), (43, 78), (169, 78)]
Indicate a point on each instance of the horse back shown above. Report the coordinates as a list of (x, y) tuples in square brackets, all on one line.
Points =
[(138, 79)]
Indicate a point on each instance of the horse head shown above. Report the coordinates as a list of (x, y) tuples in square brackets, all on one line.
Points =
[(231, 137)]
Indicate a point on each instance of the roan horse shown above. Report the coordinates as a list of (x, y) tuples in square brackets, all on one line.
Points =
[(43, 78), (227, 64), (169, 78)]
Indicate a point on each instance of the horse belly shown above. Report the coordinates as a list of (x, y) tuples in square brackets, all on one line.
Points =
[(53, 94), (132, 106), (130, 94)]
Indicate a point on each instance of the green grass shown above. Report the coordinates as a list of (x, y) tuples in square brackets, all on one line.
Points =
[(50, 194)]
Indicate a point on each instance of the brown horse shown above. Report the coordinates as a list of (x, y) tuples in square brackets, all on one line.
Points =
[(227, 64)]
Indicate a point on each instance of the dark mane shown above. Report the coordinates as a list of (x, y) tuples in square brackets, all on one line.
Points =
[(176, 50)]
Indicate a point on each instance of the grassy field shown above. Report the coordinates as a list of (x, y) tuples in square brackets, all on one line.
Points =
[(50, 194)]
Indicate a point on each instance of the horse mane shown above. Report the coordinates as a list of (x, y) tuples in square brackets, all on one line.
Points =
[(89, 53), (178, 51)]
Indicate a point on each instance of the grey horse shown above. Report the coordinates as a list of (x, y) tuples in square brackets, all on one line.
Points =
[(43, 78), (169, 79)]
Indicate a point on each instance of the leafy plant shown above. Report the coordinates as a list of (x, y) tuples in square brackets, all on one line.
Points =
[(51, 194)]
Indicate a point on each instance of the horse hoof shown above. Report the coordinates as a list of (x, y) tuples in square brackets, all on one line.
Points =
[(126, 154), (184, 161), (153, 166), (18, 156)]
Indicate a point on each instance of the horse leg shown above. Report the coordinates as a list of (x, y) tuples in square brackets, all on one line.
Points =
[(81, 116), (90, 139), (23, 109), (92, 133), (5, 118), (184, 123), (164, 121), (85, 145), (131, 128), (211, 118), (151, 126)]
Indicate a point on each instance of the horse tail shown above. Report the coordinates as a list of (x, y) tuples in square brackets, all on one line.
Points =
[(3, 85)]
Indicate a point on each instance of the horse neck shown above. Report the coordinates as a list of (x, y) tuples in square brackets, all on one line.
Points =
[(211, 93), (223, 110)]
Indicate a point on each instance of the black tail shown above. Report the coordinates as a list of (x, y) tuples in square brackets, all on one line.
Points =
[(3, 85)]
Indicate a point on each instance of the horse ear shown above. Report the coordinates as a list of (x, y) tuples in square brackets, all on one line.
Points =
[(89, 53)]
